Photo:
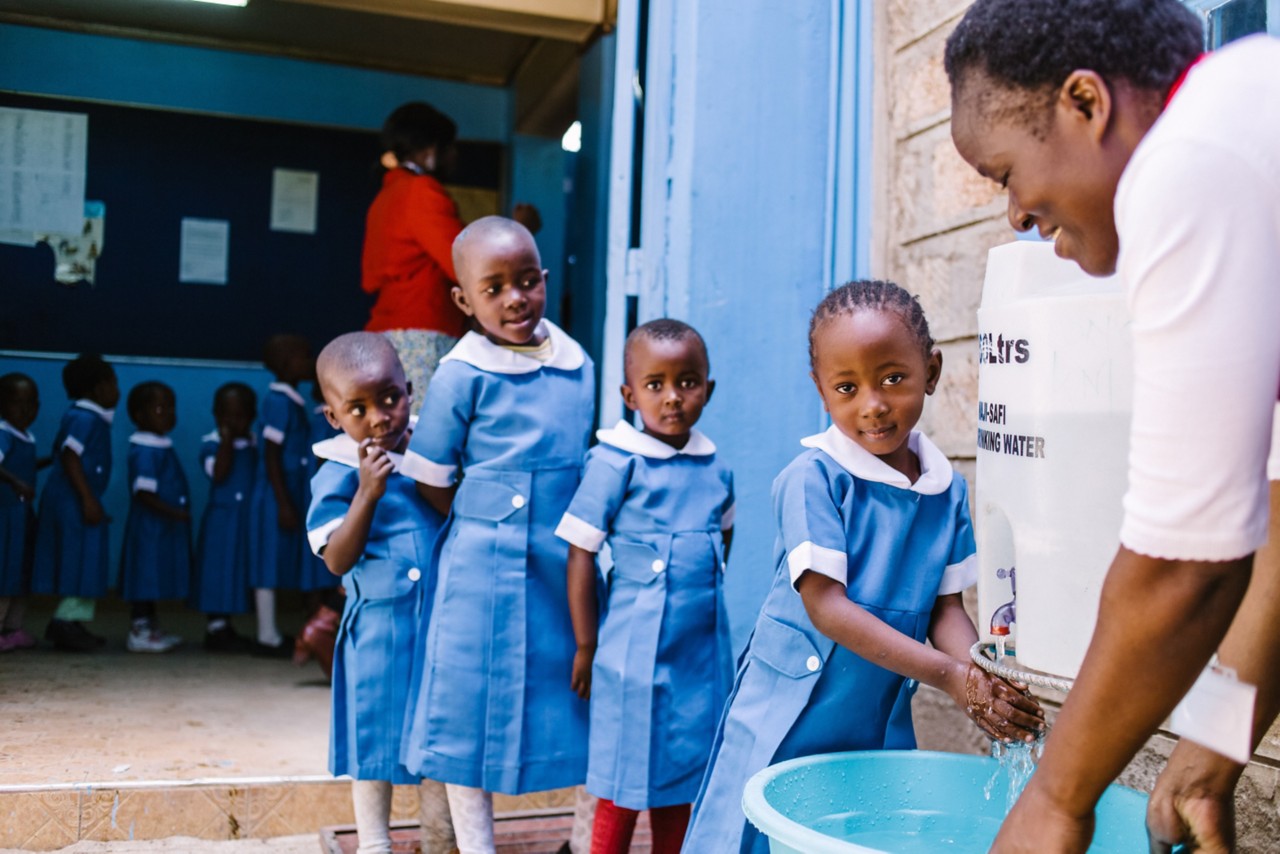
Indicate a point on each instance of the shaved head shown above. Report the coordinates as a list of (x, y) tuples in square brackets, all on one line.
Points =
[(357, 352), (486, 232)]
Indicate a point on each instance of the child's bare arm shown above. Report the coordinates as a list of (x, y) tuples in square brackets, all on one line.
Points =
[(152, 502), (90, 507), (26, 491), (439, 497), (346, 543), (1001, 709), (727, 536), (584, 611), (224, 457), (273, 464)]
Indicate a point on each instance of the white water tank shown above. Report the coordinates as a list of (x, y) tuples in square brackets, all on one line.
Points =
[(1055, 388)]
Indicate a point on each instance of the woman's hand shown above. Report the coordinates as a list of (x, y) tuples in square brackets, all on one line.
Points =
[(1001, 709)]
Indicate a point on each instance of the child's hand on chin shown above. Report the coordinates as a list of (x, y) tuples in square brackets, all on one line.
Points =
[(375, 468), (1001, 709)]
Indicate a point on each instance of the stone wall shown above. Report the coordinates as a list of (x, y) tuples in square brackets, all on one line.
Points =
[(935, 220)]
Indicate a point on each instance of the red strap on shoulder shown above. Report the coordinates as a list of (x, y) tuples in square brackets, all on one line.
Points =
[(1177, 84)]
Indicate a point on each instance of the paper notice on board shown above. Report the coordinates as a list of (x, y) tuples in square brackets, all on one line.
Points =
[(294, 195), (42, 172), (202, 259)]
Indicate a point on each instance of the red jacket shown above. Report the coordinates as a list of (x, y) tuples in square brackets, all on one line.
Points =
[(408, 255)]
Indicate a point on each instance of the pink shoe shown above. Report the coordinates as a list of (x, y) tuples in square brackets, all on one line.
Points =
[(20, 639)]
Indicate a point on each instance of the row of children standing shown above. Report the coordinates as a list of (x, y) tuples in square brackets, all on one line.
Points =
[(468, 546), (251, 540)]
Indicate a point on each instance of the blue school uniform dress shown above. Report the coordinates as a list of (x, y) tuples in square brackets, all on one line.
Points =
[(155, 562), (221, 584), (494, 709), (71, 557), (281, 560), (663, 663), (897, 546), (388, 591), (18, 457)]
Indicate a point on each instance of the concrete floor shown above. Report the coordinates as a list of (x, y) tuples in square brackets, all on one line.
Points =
[(115, 716)]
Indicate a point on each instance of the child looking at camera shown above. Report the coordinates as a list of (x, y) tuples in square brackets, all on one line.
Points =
[(71, 537), (660, 673), (874, 548), (156, 560), (372, 529), (229, 458), (505, 424)]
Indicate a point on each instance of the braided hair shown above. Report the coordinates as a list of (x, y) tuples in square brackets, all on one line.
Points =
[(1036, 44), (871, 295)]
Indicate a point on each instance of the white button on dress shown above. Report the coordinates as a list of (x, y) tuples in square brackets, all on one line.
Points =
[(517, 501), (415, 574), (813, 663), (658, 566)]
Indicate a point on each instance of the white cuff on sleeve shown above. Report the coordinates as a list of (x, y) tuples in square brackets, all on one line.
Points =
[(145, 484), (318, 538), (274, 435), (829, 562), (726, 518), (581, 534), (423, 470), (959, 576), (75, 445)]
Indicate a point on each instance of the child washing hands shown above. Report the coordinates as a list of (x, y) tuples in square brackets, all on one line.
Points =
[(874, 548)]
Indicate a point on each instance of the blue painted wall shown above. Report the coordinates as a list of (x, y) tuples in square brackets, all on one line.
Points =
[(539, 174), (753, 204), (106, 68)]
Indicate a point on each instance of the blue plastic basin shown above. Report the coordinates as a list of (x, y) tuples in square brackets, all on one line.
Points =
[(906, 801)]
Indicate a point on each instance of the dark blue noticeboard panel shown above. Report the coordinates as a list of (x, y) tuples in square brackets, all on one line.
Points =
[(154, 167)]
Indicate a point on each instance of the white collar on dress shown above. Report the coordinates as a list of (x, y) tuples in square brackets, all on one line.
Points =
[(23, 435), (627, 438), (151, 440), (289, 392), (935, 468), (345, 450), (239, 444), (480, 352), (107, 415)]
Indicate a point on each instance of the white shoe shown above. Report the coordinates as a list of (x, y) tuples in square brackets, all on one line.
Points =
[(151, 640)]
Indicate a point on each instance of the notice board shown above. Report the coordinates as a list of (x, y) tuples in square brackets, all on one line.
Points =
[(154, 168)]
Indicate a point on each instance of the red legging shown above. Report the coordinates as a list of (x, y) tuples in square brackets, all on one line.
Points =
[(611, 833)]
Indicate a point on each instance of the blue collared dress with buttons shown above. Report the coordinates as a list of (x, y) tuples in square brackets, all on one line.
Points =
[(281, 560), (155, 562), (221, 583), (388, 594), (897, 546), (494, 709), (663, 663), (71, 557), (18, 457)]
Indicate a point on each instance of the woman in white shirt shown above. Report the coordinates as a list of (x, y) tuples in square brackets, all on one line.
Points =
[(1109, 141)]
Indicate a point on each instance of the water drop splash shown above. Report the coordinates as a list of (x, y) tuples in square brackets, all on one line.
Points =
[(1016, 762)]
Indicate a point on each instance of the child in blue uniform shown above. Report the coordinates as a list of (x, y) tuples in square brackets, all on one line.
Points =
[(72, 533), (509, 409), (661, 674), (280, 559), (155, 562), (373, 530), (19, 405), (229, 458), (874, 548)]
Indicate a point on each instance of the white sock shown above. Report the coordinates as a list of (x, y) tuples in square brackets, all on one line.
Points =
[(584, 815), (264, 601), (472, 811), (372, 800), (434, 821)]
